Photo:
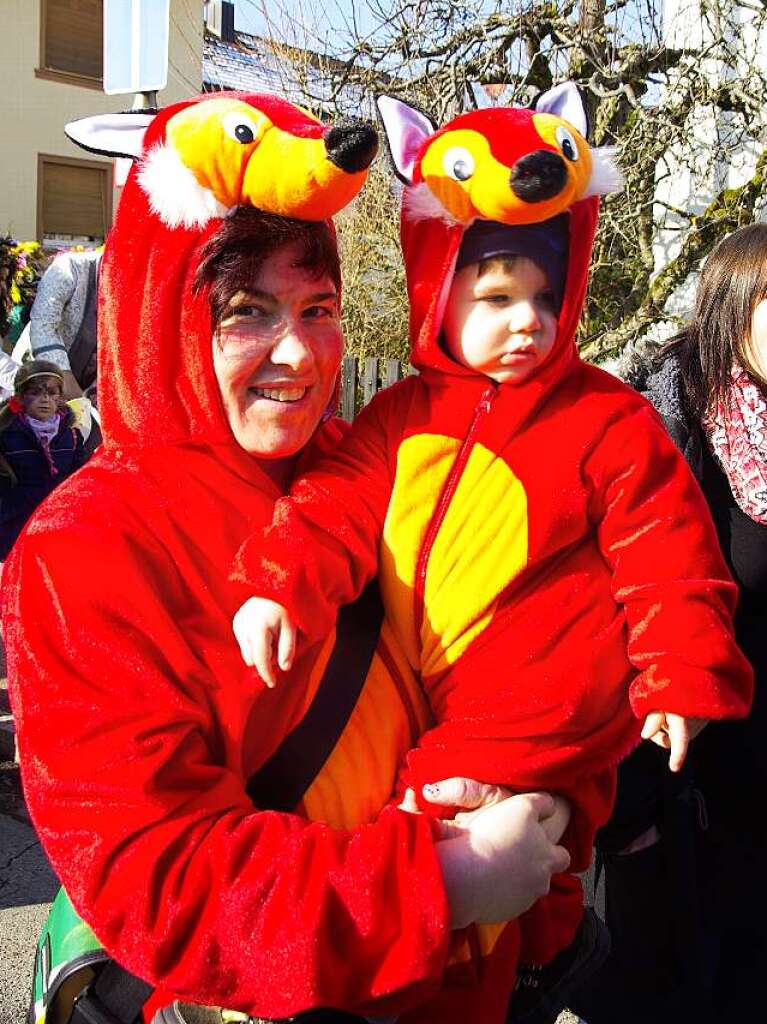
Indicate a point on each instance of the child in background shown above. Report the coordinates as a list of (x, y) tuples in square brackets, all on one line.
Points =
[(545, 557), (39, 446)]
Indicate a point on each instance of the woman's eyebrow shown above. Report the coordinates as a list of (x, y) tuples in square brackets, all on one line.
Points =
[(322, 296), (252, 293)]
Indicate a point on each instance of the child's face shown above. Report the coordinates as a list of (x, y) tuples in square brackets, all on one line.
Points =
[(503, 322), (42, 397)]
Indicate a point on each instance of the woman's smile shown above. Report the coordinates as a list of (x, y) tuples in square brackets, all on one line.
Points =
[(279, 393)]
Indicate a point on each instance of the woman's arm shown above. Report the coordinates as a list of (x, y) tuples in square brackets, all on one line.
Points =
[(56, 288), (149, 826)]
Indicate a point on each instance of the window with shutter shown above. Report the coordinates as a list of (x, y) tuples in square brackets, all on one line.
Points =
[(71, 40), (74, 201)]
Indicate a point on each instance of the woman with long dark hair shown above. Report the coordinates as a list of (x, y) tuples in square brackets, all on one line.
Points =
[(697, 846)]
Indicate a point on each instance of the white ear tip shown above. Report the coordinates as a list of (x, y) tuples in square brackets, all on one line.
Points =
[(110, 134), (606, 175)]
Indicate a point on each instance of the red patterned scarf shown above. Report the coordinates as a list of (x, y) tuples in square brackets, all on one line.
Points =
[(736, 429)]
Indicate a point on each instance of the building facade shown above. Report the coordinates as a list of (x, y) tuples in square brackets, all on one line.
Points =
[(50, 73)]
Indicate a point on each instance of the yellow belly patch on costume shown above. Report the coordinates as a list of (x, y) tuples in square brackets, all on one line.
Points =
[(423, 466), (481, 546)]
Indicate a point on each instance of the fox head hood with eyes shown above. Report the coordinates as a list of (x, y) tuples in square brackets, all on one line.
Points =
[(510, 165), (194, 162)]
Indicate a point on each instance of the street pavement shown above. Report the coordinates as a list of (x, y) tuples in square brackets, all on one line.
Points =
[(27, 883)]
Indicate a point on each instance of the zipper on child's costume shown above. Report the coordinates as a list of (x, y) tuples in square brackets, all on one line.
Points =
[(482, 409)]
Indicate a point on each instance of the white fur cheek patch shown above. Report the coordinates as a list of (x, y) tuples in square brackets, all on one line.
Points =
[(605, 174), (174, 193), (420, 203)]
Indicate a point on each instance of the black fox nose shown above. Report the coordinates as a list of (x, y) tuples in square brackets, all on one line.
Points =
[(351, 144), (539, 175)]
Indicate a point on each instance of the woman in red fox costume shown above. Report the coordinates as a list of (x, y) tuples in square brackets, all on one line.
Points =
[(138, 724), (546, 558)]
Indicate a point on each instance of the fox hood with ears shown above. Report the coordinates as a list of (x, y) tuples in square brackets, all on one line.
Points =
[(507, 164), (194, 162)]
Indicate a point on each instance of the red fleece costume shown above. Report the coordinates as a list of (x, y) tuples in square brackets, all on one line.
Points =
[(138, 723), (546, 559)]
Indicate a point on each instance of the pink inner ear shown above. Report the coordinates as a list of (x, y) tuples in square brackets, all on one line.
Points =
[(564, 101), (406, 130)]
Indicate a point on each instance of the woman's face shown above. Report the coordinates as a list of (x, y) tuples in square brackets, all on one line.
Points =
[(757, 344), (276, 356), (42, 396)]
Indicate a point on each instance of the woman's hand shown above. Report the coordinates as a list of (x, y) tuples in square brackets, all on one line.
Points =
[(498, 858), (472, 796)]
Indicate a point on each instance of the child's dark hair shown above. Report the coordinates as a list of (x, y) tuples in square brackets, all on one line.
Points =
[(732, 283), (232, 257), (507, 262)]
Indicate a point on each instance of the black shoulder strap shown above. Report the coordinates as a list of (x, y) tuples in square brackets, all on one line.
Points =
[(117, 996), (281, 782)]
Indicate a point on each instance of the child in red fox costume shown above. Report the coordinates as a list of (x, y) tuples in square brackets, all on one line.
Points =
[(545, 555)]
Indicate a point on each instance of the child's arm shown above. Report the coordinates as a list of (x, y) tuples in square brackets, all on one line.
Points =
[(322, 546), (655, 531)]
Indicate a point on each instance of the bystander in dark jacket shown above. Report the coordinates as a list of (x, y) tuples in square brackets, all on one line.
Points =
[(684, 856), (39, 447)]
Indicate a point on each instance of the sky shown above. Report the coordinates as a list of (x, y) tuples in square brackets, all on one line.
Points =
[(249, 14)]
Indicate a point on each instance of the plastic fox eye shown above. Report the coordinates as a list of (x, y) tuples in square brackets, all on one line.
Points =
[(240, 128), (458, 163), (567, 143)]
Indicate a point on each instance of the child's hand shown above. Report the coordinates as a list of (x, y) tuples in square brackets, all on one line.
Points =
[(673, 732), (263, 627)]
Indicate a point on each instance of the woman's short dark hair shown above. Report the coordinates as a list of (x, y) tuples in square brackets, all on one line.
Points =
[(732, 284), (232, 257)]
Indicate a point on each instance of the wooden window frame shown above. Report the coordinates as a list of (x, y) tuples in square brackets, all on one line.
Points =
[(100, 165), (54, 74)]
